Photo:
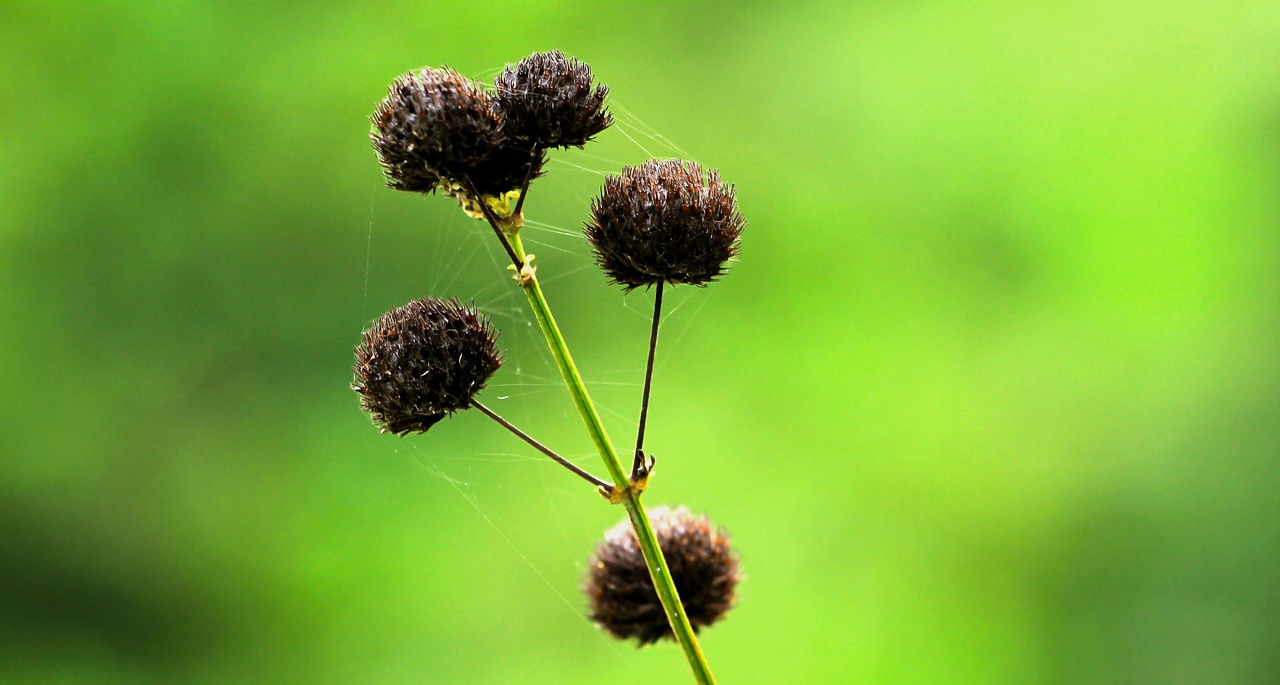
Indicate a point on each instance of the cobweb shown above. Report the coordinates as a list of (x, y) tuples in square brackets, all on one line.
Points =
[(528, 389)]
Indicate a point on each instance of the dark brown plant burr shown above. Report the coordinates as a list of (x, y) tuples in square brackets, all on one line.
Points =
[(507, 167), (664, 221), (704, 568), (433, 125), (546, 100), (423, 361)]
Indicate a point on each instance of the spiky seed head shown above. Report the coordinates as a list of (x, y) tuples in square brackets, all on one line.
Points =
[(547, 100), (664, 220), (704, 568), (433, 125), (422, 362), (507, 167)]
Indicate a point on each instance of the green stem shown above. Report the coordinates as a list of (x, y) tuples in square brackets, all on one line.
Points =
[(658, 570), (666, 587)]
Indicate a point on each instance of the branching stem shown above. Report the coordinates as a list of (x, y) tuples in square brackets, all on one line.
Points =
[(627, 495), (540, 447)]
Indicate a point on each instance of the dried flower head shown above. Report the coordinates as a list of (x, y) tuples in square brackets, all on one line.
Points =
[(433, 125), (423, 361), (664, 221), (506, 168), (704, 568), (547, 100)]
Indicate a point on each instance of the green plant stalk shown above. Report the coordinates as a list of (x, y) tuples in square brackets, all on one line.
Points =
[(658, 570)]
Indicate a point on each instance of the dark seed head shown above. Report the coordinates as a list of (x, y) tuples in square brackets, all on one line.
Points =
[(547, 100), (433, 125), (705, 571), (507, 167), (423, 361), (664, 221)]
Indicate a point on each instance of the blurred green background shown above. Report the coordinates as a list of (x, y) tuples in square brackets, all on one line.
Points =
[(992, 396)]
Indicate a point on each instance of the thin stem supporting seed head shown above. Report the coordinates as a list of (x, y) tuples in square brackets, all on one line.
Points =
[(524, 187), (542, 448), (640, 467), (497, 228)]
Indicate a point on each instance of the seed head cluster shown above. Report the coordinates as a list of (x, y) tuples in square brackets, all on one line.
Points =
[(422, 362), (704, 568), (437, 129), (664, 221), (547, 100)]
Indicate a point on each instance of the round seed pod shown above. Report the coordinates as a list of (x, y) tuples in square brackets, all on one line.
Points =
[(704, 568), (422, 362), (433, 125), (664, 221), (547, 100)]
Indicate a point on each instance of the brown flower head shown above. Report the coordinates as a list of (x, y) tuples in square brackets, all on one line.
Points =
[(433, 125), (547, 100), (507, 167), (422, 362), (704, 568), (664, 221)]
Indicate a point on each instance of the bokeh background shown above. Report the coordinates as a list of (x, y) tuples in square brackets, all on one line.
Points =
[(992, 396)]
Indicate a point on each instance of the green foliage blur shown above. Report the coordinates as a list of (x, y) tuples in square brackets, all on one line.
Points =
[(992, 396)]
